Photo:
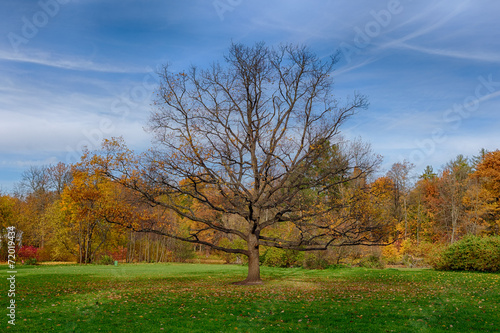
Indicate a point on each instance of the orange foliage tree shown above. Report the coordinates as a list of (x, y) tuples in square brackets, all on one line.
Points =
[(88, 203), (486, 203)]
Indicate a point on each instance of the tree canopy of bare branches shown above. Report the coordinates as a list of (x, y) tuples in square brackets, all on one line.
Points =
[(251, 144)]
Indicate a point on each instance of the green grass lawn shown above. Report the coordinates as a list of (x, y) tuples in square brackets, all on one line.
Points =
[(201, 298)]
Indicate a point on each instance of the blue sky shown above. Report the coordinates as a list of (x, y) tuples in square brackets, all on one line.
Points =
[(76, 71)]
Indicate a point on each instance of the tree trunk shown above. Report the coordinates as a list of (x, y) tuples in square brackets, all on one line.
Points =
[(253, 262), (406, 217), (87, 250)]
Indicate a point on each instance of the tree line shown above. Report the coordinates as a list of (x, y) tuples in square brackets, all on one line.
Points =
[(63, 211)]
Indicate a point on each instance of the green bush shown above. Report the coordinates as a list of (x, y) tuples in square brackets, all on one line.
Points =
[(275, 257), (472, 253), (315, 261), (106, 260), (30, 261), (372, 261)]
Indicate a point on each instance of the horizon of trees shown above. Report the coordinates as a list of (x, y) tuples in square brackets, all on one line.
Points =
[(60, 210)]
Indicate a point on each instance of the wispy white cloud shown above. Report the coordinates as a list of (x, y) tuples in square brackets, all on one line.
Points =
[(459, 54), (66, 62), (427, 28), (351, 67)]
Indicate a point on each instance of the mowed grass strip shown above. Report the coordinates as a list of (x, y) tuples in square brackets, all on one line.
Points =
[(201, 298)]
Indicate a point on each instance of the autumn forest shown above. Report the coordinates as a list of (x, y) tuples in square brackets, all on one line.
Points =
[(61, 211)]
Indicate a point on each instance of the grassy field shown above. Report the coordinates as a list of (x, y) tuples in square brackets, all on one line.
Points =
[(201, 298)]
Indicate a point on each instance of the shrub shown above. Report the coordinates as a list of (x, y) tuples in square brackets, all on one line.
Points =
[(407, 246), (44, 253), (472, 253), (412, 254), (28, 253), (106, 260), (275, 257), (391, 254), (433, 253), (372, 261), (30, 261), (315, 261)]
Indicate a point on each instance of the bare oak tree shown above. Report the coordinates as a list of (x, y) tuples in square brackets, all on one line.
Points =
[(255, 142)]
